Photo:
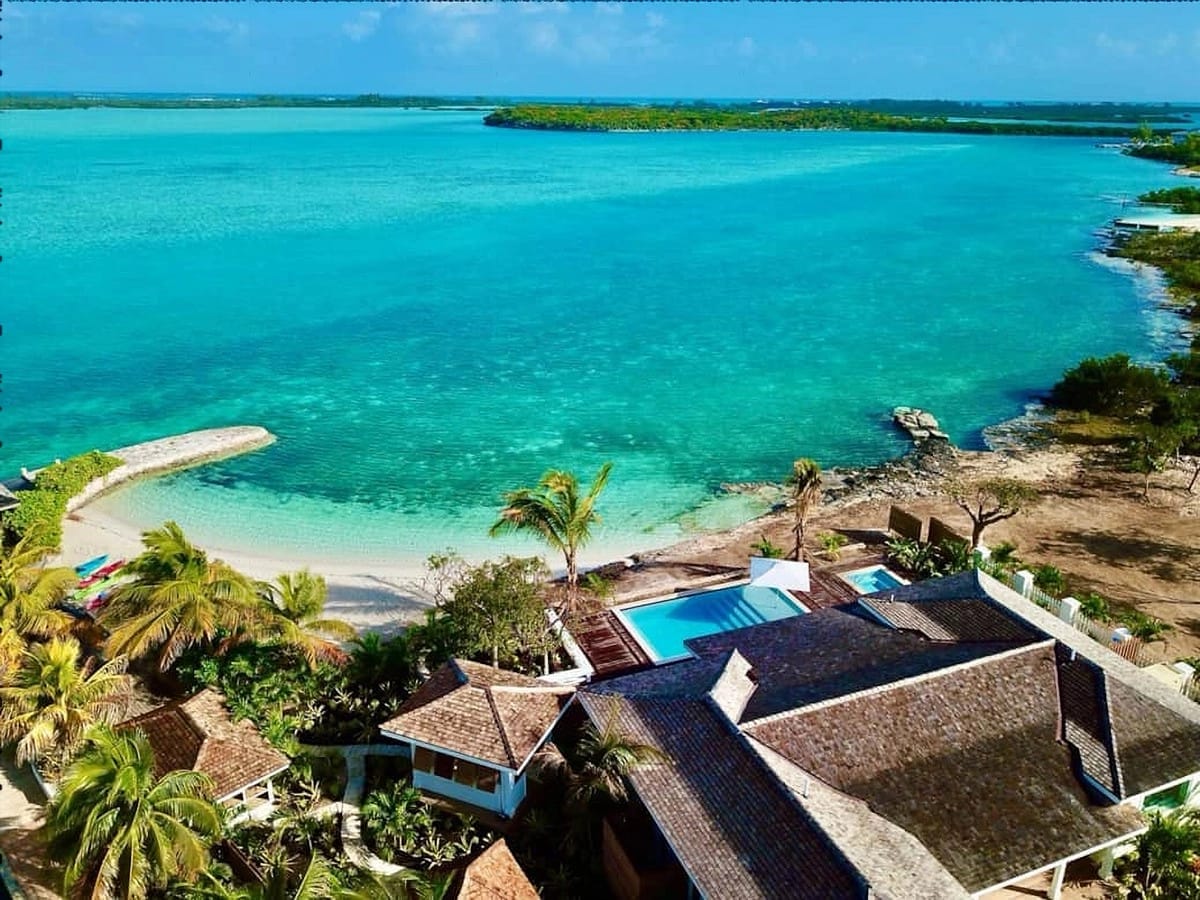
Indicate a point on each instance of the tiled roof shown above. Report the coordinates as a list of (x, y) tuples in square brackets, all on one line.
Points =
[(495, 875), (1154, 745), (830, 653), (199, 734), (481, 712), (967, 760), (951, 620), (735, 829)]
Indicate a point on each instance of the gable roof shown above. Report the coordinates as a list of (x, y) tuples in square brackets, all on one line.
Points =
[(951, 721), (481, 712), (733, 827), (199, 734), (968, 761), (495, 874)]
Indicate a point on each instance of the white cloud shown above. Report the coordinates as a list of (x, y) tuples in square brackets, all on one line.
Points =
[(365, 24), (1116, 46), (227, 28), (1166, 44), (544, 37)]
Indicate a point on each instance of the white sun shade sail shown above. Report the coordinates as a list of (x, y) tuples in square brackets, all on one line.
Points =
[(779, 573)]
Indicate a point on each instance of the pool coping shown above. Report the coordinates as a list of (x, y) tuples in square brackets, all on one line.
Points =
[(871, 568), (657, 660)]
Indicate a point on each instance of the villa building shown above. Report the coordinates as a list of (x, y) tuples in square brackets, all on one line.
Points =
[(199, 734), (473, 730), (943, 739)]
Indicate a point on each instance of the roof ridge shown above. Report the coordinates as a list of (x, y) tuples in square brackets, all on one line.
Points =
[(508, 750), (533, 688), (901, 683)]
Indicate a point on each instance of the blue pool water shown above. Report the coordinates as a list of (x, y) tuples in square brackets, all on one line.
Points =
[(662, 627), (868, 581)]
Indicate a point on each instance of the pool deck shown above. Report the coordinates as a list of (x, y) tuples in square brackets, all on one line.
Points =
[(613, 651)]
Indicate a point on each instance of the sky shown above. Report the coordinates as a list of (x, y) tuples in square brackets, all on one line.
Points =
[(1013, 51)]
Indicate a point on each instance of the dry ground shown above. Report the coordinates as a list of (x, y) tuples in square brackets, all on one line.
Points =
[(1092, 523)]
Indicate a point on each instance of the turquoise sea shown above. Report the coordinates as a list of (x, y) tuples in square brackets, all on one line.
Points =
[(428, 312)]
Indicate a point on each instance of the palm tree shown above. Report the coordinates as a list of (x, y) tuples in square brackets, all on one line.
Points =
[(296, 603), (556, 512), (179, 598), (1167, 853), (53, 699), (600, 763), (122, 832), (805, 482), (29, 593)]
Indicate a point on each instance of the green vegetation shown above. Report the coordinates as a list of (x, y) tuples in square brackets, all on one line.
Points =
[(555, 512), (925, 560), (42, 508), (56, 695), (1185, 153), (403, 827), (710, 118), (121, 831), (764, 548), (1165, 862), (1180, 199), (29, 597), (831, 544), (991, 500), (1112, 386)]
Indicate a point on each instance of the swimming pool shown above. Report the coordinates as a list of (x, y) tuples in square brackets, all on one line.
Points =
[(662, 626), (873, 578)]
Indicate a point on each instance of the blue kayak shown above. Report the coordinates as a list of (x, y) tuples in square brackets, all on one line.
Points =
[(84, 569)]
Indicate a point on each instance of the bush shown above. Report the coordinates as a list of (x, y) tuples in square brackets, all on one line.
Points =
[(1112, 386), (41, 509), (764, 548), (1050, 579), (832, 543)]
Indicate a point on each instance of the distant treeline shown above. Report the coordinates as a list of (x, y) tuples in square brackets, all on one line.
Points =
[(1184, 153), (1116, 113), (711, 118), (1180, 199), (30, 101)]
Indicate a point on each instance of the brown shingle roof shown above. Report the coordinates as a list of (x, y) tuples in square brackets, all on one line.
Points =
[(951, 620), (199, 734), (495, 875), (1154, 745), (735, 829), (967, 760), (481, 712)]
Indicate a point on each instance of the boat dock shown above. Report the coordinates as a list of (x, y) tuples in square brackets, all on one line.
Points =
[(169, 454), (1159, 222)]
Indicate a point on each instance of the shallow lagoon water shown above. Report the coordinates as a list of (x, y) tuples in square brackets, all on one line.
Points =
[(427, 311)]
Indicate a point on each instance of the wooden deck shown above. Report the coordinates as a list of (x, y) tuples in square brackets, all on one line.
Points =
[(608, 645), (825, 589)]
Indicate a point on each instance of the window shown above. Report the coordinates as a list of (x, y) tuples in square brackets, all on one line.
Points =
[(1171, 798), (460, 771), (443, 766), (423, 759)]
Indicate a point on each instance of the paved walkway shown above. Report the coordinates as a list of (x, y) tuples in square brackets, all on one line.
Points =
[(20, 816), (355, 756)]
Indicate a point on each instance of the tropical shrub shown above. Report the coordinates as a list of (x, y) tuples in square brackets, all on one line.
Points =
[(1095, 607), (1144, 626), (41, 509), (398, 822), (764, 548), (1050, 579), (1112, 386), (832, 543), (1167, 860)]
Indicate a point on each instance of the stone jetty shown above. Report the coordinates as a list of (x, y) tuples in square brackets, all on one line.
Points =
[(168, 454), (919, 424)]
